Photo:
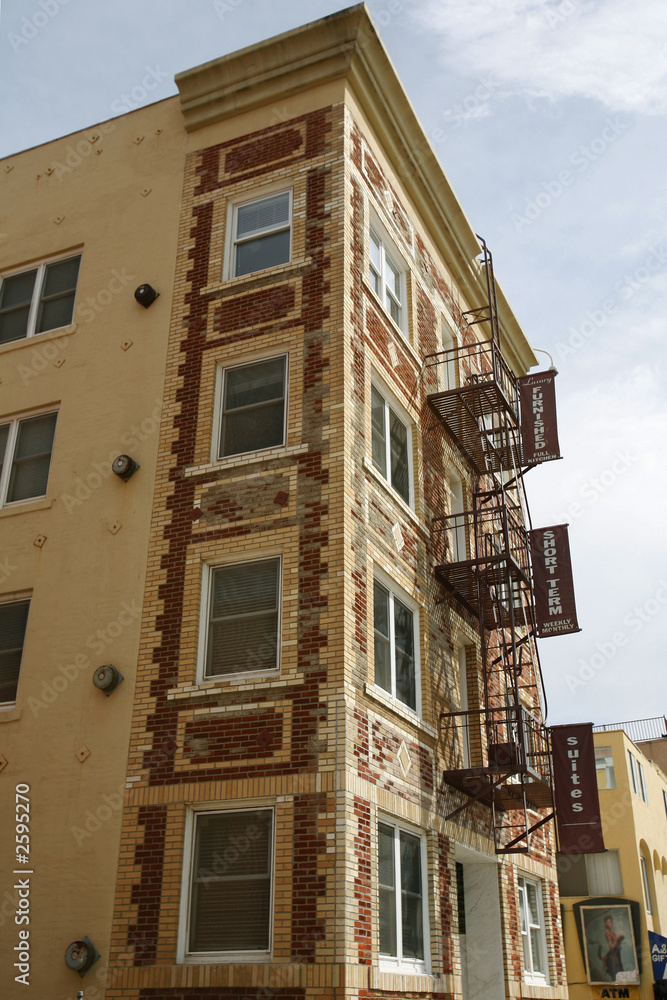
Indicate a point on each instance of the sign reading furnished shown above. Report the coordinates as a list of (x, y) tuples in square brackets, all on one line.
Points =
[(576, 790), (555, 608), (539, 430)]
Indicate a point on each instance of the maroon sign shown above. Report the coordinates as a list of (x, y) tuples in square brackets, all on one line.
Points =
[(576, 790), (539, 431), (555, 609)]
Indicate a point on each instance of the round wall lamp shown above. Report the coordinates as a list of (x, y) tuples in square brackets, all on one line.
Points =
[(145, 295)]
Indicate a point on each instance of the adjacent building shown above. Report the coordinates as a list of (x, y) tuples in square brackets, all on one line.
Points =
[(316, 584), (612, 901)]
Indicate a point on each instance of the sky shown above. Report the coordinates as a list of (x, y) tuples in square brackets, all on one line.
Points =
[(548, 117)]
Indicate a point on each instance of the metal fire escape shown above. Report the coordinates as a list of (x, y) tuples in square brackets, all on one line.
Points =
[(499, 753)]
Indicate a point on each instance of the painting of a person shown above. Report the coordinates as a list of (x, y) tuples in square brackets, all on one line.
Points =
[(612, 960)]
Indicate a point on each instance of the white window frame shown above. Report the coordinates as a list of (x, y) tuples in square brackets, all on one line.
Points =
[(391, 405), (219, 957), (397, 963), (601, 764), (377, 275), (208, 571), (396, 592), (37, 295), (646, 883), (219, 400), (8, 459), (633, 773), (642, 782), (4, 603), (448, 370), (530, 976), (232, 242)]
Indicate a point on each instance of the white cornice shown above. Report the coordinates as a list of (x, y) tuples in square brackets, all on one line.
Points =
[(346, 46)]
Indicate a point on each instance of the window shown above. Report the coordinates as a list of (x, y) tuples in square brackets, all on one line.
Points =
[(646, 883), (13, 620), (387, 276), (262, 234), (38, 300), (252, 415), (642, 781), (25, 457), (604, 874), (532, 931), (572, 874), (391, 443), (401, 897), (633, 773), (243, 620), (604, 768), (589, 874), (230, 883), (395, 646), (448, 370)]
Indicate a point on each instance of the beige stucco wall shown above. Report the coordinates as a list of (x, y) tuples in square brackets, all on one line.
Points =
[(111, 193), (631, 827)]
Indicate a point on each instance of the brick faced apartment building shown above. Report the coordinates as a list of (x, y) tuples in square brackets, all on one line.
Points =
[(286, 831)]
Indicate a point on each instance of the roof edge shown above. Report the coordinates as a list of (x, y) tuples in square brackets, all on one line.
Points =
[(346, 45)]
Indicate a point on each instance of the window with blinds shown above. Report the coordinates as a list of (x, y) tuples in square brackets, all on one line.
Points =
[(243, 620), (25, 457), (231, 882), (13, 621), (262, 234), (38, 300), (253, 407)]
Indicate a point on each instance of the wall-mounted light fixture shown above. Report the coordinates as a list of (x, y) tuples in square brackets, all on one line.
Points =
[(145, 295), (107, 678), (124, 466)]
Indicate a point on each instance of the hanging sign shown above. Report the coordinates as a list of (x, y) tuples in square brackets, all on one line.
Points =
[(553, 588), (539, 430), (576, 790), (658, 948)]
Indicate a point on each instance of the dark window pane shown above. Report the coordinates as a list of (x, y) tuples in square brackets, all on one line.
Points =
[(252, 384), (387, 895), (411, 896), (252, 430), (55, 313), (57, 297), (379, 441), (13, 620), (263, 252), (32, 458), (572, 878), (398, 436), (17, 290), (61, 277), (4, 433), (253, 412), (15, 299)]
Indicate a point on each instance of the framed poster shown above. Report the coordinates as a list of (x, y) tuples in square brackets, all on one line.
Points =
[(609, 945)]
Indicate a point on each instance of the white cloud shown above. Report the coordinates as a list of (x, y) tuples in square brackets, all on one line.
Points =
[(608, 50)]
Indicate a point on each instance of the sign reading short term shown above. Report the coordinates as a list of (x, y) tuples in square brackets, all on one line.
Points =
[(553, 588), (539, 430), (576, 790)]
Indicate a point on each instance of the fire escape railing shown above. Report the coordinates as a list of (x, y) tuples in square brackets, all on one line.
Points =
[(499, 753)]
